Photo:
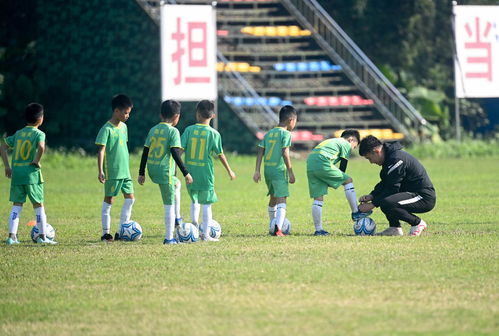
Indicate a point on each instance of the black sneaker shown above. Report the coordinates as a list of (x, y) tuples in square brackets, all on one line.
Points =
[(117, 236), (107, 237), (178, 221)]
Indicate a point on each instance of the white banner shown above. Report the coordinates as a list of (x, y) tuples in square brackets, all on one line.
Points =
[(477, 46), (188, 52)]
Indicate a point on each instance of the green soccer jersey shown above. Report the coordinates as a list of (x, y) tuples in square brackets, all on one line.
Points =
[(116, 160), (200, 142), (273, 143), (328, 153), (160, 163), (25, 146)]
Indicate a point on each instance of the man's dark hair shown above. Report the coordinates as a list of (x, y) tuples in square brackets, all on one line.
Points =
[(169, 108), (205, 108), (351, 132), (368, 144), (286, 112), (120, 101), (33, 112)]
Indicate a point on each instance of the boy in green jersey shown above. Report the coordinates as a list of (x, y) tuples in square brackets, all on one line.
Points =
[(28, 145), (113, 164), (322, 174), (274, 150), (200, 142), (161, 149)]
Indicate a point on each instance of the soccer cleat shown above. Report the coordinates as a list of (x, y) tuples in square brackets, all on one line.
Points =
[(179, 221), (391, 231), (107, 237), (117, 236), (170, 241), (418, 229), (279, 233), (359, 215), (46, 241), (11, 241), (207, 238), (321, 233)]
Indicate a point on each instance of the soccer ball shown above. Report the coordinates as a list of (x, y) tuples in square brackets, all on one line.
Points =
[(214, 229), (364, 227), (286, 226), (187, 233), (49, 232), (130, 231)]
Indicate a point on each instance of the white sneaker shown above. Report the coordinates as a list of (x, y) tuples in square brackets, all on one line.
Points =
[(418, 229), (207, 238), (391, 231), (47, 241)]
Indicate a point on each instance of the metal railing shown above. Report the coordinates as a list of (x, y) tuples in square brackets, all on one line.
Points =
[(357, 67), (152, 8)]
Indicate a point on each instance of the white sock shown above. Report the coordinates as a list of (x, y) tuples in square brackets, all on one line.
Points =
[(177, 199), (272, 211), (351, 196), (317, 214), (14, 219), (41, 220), (207, 217), (280, 215), (126, 210), (195, 208), (106, 218), (169, 221)]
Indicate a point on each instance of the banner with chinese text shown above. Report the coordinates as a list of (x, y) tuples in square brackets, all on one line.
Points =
[(188, 52), (477, 48)]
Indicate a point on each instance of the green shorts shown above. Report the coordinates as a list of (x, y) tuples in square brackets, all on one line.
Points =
[(175, 180), (277, 187), (320, 180), (202, 196), (167, 193), (113, 187), (19, 192)]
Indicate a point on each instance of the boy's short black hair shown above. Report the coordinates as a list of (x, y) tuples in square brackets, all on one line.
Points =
[(33, 112), (205, 108), (169, 108), (368, 144), (286, 112), (121, 102), (351, 132)]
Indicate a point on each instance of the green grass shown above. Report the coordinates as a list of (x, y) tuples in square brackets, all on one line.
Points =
[(442, 283)]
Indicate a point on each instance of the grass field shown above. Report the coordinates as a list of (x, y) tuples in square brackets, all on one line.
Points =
[(442, 283)]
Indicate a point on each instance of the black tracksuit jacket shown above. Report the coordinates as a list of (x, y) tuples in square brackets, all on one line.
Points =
[(401, 172)]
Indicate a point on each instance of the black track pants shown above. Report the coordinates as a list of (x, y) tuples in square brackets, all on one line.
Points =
[(403, 205)]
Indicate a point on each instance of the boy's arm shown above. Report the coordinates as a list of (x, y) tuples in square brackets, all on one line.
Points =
[(223, 159), (142, 168), (39, 153), (5, 159), (259, 156), (176, 153), (287, 162), (100, 163), (343, 164)]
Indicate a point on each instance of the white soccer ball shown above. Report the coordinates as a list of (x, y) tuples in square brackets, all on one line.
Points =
[(286, 226), (130, 231), (214, 229), (49, 232), (187, 233), (364, 227)]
